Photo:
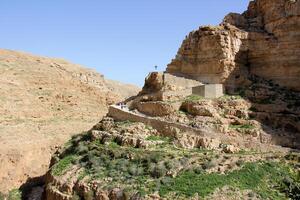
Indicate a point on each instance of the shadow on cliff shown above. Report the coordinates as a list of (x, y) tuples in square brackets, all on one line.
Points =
[(28, 188), (277, 108)]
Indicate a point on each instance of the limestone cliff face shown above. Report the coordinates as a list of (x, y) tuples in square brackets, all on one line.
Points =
[(212, 55), (264, 40)]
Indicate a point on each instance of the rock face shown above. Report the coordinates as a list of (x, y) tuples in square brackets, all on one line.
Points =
[(264, 41), (43, 102), (212, 55), (155, 108)]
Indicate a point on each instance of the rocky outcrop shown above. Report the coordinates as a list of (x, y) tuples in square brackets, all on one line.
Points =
[(212, 55), (156, 108), (265, 41)]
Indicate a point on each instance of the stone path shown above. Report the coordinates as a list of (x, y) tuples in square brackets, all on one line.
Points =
[(124, 114)]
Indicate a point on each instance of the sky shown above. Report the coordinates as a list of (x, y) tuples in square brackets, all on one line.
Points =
[(122, 39)]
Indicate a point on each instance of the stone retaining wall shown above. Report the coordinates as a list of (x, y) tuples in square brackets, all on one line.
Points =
[(123, 115), (179, 82), (174, 95)]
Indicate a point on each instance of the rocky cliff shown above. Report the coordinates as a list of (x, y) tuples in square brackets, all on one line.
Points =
[(264, 41), (44, 101)]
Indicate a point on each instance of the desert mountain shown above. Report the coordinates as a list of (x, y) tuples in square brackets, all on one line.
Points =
[(43, 101)]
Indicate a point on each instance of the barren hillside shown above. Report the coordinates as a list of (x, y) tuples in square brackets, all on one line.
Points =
[(43, 102)]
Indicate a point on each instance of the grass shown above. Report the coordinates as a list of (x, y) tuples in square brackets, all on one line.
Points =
[(124, 123), (14, 194), (2, 196), (147, 170), (193, 98), (60, 167), (148, 127), (157, 138), (182, 112), (260, 178)]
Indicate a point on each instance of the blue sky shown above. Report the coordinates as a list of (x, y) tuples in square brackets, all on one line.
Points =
[(122, 39)]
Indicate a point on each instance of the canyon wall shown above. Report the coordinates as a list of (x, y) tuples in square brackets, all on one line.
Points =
[(264, 41)]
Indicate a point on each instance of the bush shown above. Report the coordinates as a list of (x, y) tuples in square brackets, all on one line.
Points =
[(60, 167), (193, 98), (239, 163), (75, 197), (132, 170), (198, 170), (166, 180), (15, 195), (209, 165), (2, 196), (158, 171), (89, 195), (168, 164), (259, 177), (291, 187), (157, 138)]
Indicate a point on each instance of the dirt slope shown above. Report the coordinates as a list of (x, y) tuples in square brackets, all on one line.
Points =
[(43, 102)]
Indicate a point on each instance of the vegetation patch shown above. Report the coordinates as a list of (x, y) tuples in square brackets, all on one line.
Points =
[(157, 138), (60, 167), (124, 123), (241, 126), (14, 194), (169, 170), (194, 98), (259, 177)]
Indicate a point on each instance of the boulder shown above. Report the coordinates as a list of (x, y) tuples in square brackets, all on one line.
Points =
[(202, 108), (156, 108)]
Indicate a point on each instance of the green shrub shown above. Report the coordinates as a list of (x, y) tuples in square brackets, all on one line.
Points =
[(193, 98), (157, 138), (241, 126), (198, 170), (239, 163), (209, 165), (60, 167), (158, 171), (259, 177), (82, 148), (113, 145), (132, 170), (154, 157), (166, 181), (291, 187), (75, 197), (89, 195), (2, 196), (14, 194), (168, 164), (124, 123), (148, 127)]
